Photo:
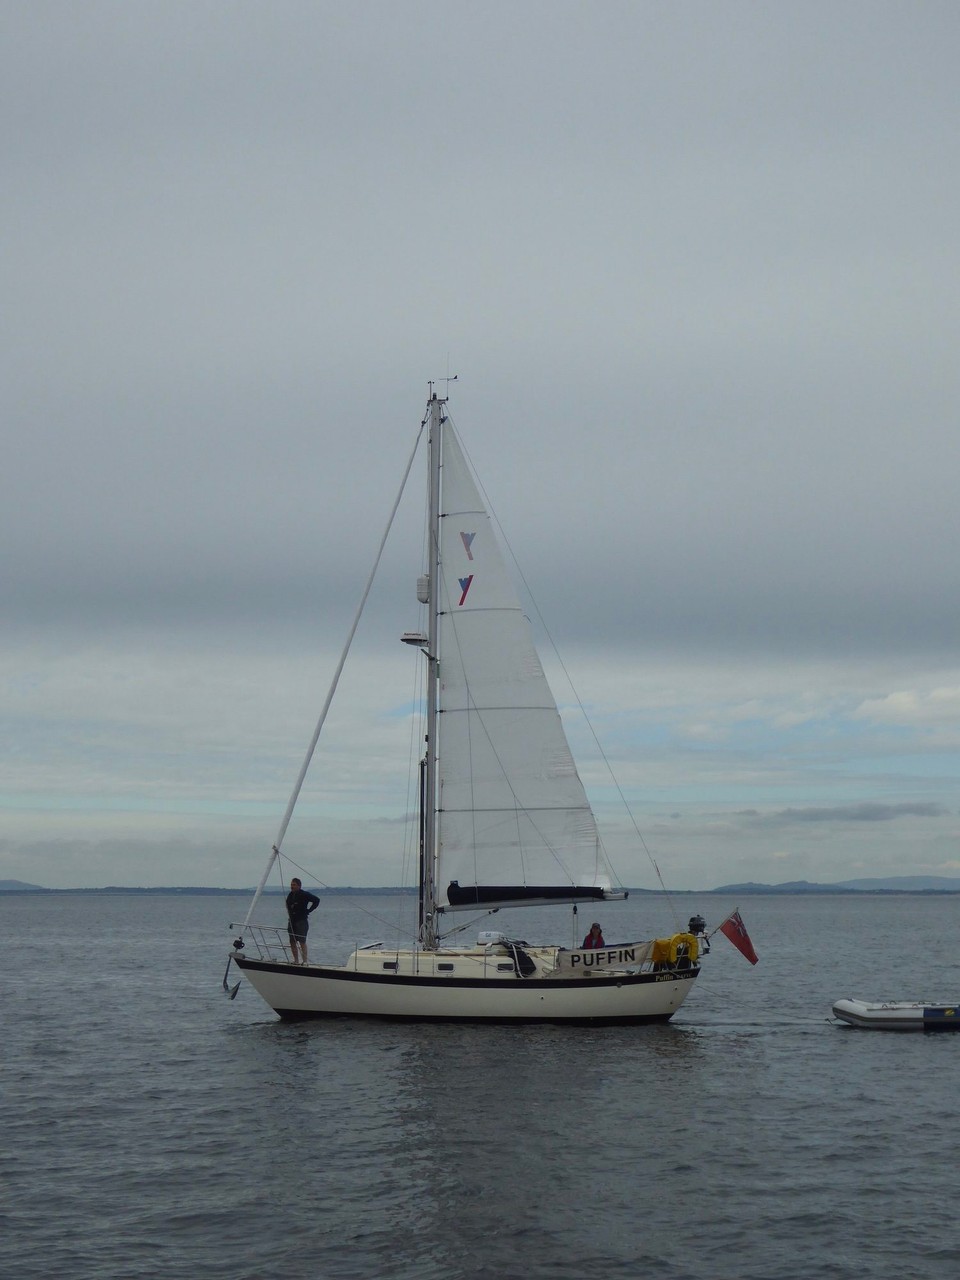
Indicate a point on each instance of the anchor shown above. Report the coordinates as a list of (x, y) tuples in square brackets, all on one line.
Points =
[(232, 991)]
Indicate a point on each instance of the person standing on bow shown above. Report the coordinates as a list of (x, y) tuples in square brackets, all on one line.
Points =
[(594, 938), (300, 904)]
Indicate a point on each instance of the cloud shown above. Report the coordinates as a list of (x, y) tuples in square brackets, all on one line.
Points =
[(695, 274), (932, 708), (866, 812)]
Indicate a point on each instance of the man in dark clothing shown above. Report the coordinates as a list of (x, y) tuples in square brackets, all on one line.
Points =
[(300, 904)]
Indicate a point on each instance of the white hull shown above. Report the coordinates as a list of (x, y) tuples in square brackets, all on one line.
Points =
[(898, 1015), (317, 991)]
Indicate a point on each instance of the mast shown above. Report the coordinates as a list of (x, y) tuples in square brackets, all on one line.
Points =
[(428, 870)]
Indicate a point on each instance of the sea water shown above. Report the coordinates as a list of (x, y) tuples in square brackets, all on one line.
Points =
[(153, 1128)]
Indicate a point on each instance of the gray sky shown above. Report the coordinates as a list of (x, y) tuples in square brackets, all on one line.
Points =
[(696, 267)]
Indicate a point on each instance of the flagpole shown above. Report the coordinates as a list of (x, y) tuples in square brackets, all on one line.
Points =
[(733, 913)]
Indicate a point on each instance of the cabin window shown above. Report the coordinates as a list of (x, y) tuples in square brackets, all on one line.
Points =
[(390, 964), (502, 968), (448, 968)]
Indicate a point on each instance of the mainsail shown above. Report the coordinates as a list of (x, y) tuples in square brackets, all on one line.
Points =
[(513, 823)]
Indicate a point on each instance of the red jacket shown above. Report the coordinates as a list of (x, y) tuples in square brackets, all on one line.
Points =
[(590, 943)]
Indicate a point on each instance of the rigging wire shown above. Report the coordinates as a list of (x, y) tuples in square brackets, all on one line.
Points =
[(298, 785), (583, 711), (320, 884)]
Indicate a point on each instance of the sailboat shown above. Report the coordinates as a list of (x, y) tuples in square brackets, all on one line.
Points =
[(504, 819)]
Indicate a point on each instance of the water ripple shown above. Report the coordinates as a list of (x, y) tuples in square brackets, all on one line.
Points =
[(154, 1130)]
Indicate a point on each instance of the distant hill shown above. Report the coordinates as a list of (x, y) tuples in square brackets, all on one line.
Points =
[(881, 884), (888, 884), (789, 886), (906, 884), (20, 886)]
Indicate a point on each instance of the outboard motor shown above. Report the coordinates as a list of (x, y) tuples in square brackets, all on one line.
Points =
[(698, 927)]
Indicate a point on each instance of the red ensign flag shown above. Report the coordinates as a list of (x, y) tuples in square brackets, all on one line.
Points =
[(733, 928)]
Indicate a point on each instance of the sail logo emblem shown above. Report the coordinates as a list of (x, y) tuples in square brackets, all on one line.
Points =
[(467, 540)]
